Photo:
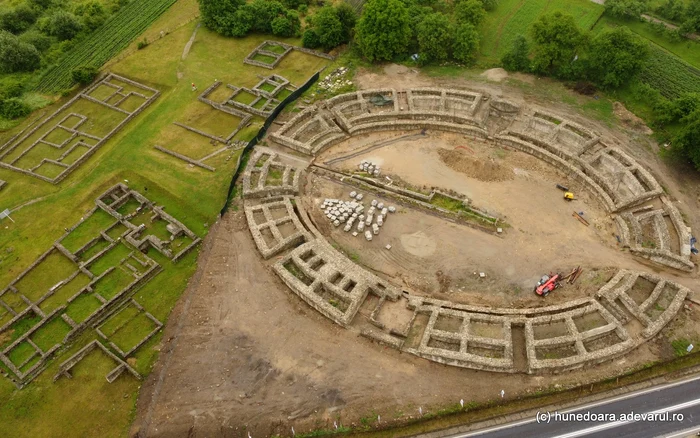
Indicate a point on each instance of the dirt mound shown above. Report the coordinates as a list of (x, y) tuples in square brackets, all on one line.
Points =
[(482, 169), (495, 74), (629, 119)]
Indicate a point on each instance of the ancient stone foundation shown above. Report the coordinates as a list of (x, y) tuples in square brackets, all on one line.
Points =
[(557, 338)]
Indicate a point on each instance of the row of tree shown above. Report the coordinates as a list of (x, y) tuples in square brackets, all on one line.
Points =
[(560, 49), (684, 12), (435, 31)]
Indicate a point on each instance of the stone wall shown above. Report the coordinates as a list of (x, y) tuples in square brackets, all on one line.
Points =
[(90, 149), (256, 177), (329, 282), (268, 218)]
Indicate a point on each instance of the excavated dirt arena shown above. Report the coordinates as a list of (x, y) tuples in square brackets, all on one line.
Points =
[(243, 354), (252, 357)]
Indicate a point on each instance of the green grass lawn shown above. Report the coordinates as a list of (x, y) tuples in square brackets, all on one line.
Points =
[(514, 17), (87, 405)]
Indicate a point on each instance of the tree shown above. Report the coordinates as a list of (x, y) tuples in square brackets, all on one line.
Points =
[(310, 39), (16, 56), (692, 17), (416, 14), (13, 108), (92, 14), (10, 86), (84, 74), (328, 27), (37, 39), (687, 141), (470, 11), (62, 25), (435, 38), (263, 12), (556, 43), (294, 4), (383, 30), (286, 25), (220, 15), (348, 18), (40, 4), (517, 58), (18, 20), (626, 8), (466, 43), (615, 56), (490, 5), (242, 23), (671, 10)]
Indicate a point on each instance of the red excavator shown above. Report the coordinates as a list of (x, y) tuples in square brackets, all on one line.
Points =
[(547, 284)]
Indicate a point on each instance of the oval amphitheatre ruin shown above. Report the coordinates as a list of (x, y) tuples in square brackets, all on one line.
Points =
[(290, 228)]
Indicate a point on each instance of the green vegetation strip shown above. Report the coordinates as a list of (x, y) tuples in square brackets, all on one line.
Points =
[(669, 74), (104, 43), (514, 17)]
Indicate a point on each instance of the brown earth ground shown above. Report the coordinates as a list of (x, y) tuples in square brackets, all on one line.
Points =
[(243, 355)]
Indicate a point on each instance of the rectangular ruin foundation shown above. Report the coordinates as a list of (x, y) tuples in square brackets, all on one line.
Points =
[(73, 137), (95, 274)]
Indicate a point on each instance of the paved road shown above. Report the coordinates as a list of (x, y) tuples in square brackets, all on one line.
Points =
[(681, 398)]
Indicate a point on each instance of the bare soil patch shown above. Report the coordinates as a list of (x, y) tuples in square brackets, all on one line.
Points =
[(483, 170), (495, 74)]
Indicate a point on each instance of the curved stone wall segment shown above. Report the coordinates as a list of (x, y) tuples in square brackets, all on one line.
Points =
[(557, 338), (615, 179)]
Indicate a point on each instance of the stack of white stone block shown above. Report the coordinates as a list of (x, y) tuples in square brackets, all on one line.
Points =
[(370, 167), (348, 212)]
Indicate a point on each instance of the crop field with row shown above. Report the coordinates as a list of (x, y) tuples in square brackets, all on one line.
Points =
[(514, 17), (104, 43), (669, 74)]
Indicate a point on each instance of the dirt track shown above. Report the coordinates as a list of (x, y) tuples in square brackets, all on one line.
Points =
[(250, 357)]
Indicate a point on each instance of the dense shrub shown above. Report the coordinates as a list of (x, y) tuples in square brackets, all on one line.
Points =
[(435, 36), (470, 11), (13, 108), (37, 39), (557, 41), (263, 12), (61, 24), (16, 56), (220, 15), (310, 39), (18, 20), (330, 27), (466, 43), (615, 57), (10, 87), (516, 59), (384, 29), (92, 14), (287, 25), (85, 74)]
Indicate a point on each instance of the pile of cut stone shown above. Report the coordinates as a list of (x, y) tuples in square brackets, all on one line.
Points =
[(369, 167), (347, 212), (335, 80)]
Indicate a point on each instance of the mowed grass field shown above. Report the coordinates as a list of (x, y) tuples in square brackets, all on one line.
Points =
[(514, 17), (87, 405)]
